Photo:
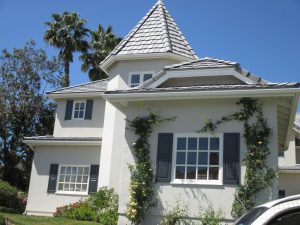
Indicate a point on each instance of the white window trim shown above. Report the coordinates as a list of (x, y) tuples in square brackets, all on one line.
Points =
[(141, 73), (73, 111), (197, 182), (72, 192)]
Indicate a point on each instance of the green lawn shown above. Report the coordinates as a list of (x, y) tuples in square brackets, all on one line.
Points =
[(39, 220)]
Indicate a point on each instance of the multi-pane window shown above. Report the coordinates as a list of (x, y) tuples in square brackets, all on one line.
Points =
[(79, 110), (137, 78), (198, 158), (73, 179)]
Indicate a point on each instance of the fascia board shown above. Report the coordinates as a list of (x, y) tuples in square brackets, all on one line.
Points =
[(201, 94), (33, 143), (75, 95)]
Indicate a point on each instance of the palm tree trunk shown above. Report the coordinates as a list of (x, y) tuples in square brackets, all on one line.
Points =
[(66, 79)]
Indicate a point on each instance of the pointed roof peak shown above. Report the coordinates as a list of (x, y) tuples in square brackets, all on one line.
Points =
[(156, 33)]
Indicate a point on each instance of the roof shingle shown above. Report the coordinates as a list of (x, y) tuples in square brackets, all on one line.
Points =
[(157, 32)]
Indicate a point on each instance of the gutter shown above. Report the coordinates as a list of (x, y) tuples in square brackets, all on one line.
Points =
[(172, 95), (33, 143), (75, 94)]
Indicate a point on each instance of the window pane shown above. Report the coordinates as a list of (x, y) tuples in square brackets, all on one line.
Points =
[(82, 106), (63, 170), (72, 187), (213, 173), (86, 171), (135, 78), (181, 144), (74, 170), (76, 113), (191, 172), (76, 106), (202, 173), (73, 178), (180, 158), (60, 187), (214, 144), (81, 114), (67, 178), (80, 170), (78, 187), (147, 76), (192, 158), (84, 179), (202, 158), (84, 187), (214, 158), (203, 143), (66, 187), (79, 179), (192, 144), (179, 172), (61, 178)]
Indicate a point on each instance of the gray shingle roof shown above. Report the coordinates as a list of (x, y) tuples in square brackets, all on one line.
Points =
[(203, 63), (95, 86), (208, 88), (51, 138), (157, 32)]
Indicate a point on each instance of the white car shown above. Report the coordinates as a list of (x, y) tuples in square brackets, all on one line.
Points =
[(284, 211)]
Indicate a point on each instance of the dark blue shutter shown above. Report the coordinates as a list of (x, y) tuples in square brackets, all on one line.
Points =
[(69, 110), (164, 157), (93, 184), (52, 178), (89, 110), (231, 158)]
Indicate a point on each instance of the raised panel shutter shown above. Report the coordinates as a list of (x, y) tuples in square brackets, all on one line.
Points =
[(89, 110), (69, 110), (231, 158), (93, 184), (164, 157), (52, 178)]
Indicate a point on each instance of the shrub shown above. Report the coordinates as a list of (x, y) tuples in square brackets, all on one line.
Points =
[(175, 215), (101, 207), (2, 220), (11, 197), (8, 210), (210, 217)]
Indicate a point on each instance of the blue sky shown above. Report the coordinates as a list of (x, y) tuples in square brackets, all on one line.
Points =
[(262, 35)]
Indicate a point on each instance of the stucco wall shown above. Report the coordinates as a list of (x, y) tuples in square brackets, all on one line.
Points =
[(290, 182), (123, 68), (79, 128), (39, 201), (190, 118), (289, 157)]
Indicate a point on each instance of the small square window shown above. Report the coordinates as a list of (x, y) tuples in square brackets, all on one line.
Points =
[(136, 79), (147, 76), (79, 110)]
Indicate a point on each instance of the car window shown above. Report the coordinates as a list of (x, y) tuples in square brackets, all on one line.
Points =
[(291, 217), (250, 216)]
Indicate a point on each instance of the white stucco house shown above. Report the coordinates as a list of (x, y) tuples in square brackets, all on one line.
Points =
[(155, 66), (289, 164)]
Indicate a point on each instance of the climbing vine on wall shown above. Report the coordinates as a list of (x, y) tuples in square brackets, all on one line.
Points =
[(141, 188), (257, 135)]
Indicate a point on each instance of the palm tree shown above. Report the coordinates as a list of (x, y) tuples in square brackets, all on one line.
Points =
[(102, 43), (67, 32)]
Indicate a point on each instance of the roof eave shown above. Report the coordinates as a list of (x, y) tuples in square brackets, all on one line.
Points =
[(173, 95), (54, 95), (113, 58), (33, 143)]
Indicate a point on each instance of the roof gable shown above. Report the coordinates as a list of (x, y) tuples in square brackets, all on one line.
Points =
[(157, 32)]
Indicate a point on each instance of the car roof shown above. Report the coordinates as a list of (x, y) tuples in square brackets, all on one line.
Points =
[(280, 201)]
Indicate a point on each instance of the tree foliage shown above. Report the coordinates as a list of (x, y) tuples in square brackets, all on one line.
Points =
[(102, 43), (68, 33), (24, 111)]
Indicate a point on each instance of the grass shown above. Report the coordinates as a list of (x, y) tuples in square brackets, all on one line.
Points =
[(18, 219)]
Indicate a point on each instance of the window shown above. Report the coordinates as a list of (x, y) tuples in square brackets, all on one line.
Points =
[(79, 110), (198, 158), (73, 179), (281, 193), (135, 79)]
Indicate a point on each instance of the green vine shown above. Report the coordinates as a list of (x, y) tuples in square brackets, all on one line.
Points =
[(141, 189), (257, 137)]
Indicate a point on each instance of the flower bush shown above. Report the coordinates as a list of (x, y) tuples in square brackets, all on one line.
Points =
[(11, 197), (210, 217), (101, 207), (175, 215)]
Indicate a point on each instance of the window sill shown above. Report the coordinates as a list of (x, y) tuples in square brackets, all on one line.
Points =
[(71, 193), (217, 183)]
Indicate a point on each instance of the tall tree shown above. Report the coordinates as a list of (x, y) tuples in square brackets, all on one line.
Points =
[(68, 33), (102, 43), (24, 110)]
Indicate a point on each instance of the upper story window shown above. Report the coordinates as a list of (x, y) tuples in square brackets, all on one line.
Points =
[(198, 158), (73, 179), (135, 79), (79, 109)]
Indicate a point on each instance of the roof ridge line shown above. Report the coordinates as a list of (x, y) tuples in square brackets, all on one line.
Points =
[(166, 25)]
